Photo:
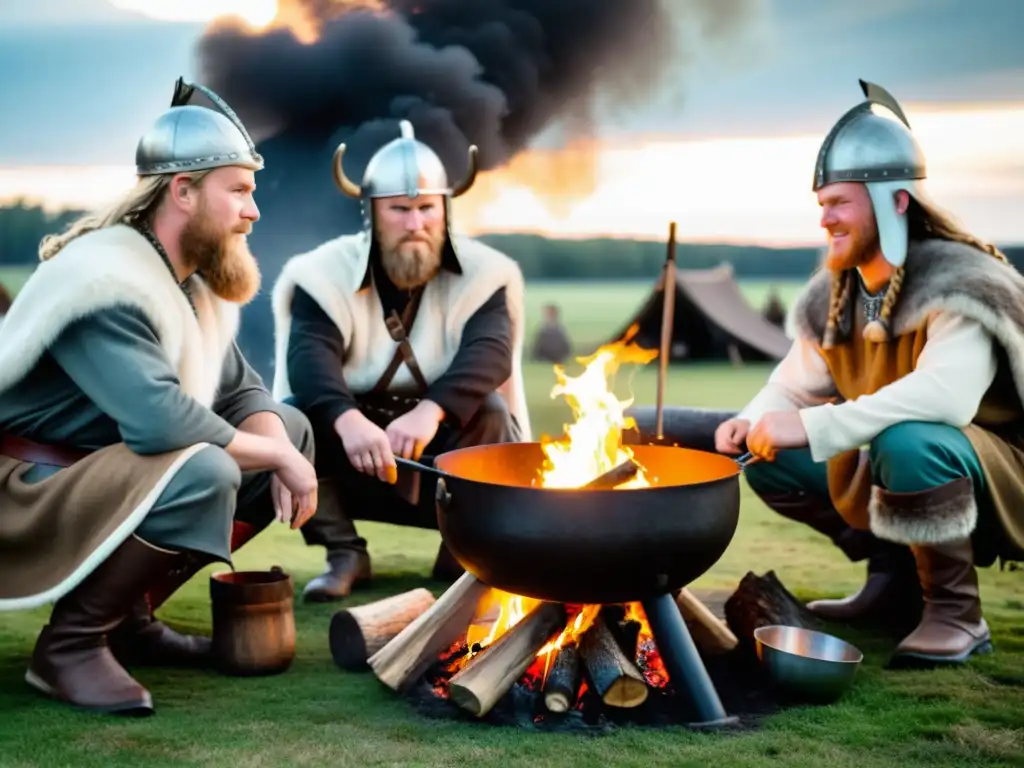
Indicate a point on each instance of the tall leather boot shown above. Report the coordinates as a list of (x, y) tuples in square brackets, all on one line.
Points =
[(891, 592), (348, 562), (952, 627), (71, 660)]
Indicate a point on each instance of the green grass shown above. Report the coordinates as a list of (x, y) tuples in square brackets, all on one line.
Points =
[(316, 715)]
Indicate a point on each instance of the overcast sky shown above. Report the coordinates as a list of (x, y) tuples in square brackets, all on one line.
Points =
[(81, 78)]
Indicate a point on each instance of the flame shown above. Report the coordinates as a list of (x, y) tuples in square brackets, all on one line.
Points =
[(593, 444)]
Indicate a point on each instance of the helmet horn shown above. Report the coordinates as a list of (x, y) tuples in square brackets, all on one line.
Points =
[(467, 182), (343, 181)]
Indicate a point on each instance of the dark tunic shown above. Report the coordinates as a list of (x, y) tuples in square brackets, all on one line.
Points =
[(316, 350)]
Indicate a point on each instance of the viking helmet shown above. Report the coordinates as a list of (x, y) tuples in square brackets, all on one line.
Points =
[(189, 137), (880, 152), (403, 166)]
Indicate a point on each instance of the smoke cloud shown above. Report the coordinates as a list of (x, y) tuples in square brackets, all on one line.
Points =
[(490, 72), (495, 73)]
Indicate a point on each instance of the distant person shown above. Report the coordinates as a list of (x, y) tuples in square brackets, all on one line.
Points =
[(136, 444), (552, 344), (774, 310), (401, 340)]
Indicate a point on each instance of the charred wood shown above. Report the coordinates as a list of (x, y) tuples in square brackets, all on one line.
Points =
[(762, 601), (479, 685), (563, 679), (613, 675), (624, 472)]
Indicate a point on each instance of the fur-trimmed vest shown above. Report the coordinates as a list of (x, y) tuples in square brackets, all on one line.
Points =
[(332, 274), (948, 277), (117, 266)]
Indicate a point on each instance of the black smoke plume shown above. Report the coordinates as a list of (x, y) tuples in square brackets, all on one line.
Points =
[(494, 73)]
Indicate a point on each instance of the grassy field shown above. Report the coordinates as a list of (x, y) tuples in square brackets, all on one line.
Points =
[(318, 716)]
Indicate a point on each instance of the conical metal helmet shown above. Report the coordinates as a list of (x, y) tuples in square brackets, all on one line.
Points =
[(189, 137), (881, 152), (404, 166)]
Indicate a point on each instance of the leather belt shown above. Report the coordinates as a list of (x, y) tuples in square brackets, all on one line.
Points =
[(23, 449)]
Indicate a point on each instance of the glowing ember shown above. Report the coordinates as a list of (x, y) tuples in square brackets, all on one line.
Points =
[(593, 444)]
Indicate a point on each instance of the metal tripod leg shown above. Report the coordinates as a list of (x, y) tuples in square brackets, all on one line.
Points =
[(685, 667)]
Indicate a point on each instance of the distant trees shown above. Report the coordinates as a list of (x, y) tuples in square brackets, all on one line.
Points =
[(22, 226)]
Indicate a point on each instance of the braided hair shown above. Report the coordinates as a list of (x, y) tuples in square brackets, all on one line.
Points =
[(924, 222)]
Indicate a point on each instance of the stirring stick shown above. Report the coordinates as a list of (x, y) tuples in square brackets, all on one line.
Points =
[(667, 321)]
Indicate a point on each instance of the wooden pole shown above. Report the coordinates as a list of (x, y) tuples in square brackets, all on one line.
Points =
[(668, 313)]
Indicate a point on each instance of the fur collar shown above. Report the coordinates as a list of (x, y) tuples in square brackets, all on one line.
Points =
[(939, 276), (111, 267)]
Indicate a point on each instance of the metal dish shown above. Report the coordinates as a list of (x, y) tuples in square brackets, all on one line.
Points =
[(806, 664)]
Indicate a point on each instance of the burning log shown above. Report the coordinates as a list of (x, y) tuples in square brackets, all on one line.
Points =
[(479, 685), (563, 679), (613, 675), (359, 632), (761, 601), (406, 657), (710, 633), (624, 472)]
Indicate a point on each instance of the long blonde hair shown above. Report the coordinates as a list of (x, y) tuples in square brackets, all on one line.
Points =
[(138, 204)]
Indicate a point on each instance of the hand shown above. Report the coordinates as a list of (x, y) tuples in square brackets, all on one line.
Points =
[(775, 430), (366, 446), (411, 433), (294, 488), (730, 435)]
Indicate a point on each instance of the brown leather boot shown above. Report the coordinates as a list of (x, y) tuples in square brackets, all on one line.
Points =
[(446, 567), (71, 660), (346, 568), (143, 640), (891, 593), (952, 627)]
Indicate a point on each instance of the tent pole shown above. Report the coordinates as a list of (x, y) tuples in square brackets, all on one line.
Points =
[(667, 321)]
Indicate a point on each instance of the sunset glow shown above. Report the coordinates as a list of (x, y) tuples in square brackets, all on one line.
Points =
[(256, 13), (737, 190)]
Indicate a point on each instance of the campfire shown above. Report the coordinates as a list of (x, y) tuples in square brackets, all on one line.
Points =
[(477, 645)]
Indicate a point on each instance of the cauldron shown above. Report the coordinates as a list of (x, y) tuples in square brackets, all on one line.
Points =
[(585, 546)]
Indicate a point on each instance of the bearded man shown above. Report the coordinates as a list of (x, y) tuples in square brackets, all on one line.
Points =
[(136, 443), (401, 340), (900, 402)]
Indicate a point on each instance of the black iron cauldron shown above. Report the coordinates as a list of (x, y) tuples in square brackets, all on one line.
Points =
[(585, 546)]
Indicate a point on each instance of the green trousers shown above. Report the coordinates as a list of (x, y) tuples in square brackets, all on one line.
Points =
[(905, 458)]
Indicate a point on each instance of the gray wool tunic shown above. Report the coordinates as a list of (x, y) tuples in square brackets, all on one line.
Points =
[(106, 380)]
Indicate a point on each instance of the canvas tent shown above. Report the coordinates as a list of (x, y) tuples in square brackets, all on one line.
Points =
[(713, 320)]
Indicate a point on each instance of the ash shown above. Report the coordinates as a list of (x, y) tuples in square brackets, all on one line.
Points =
[(741, 685)]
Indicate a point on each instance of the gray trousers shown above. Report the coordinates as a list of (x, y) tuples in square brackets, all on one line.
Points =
[(209, 492), (411, 501)]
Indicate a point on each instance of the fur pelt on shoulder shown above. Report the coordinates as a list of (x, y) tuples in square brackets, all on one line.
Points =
[(117, 266), (939, 275), (332, 274)]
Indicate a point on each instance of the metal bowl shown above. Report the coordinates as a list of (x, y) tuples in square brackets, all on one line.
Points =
[(806, 664)]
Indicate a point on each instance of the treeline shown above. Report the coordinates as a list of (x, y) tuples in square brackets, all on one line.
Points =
[(22, 226)]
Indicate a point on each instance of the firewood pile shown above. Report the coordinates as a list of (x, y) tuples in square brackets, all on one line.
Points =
[(556, 651)]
